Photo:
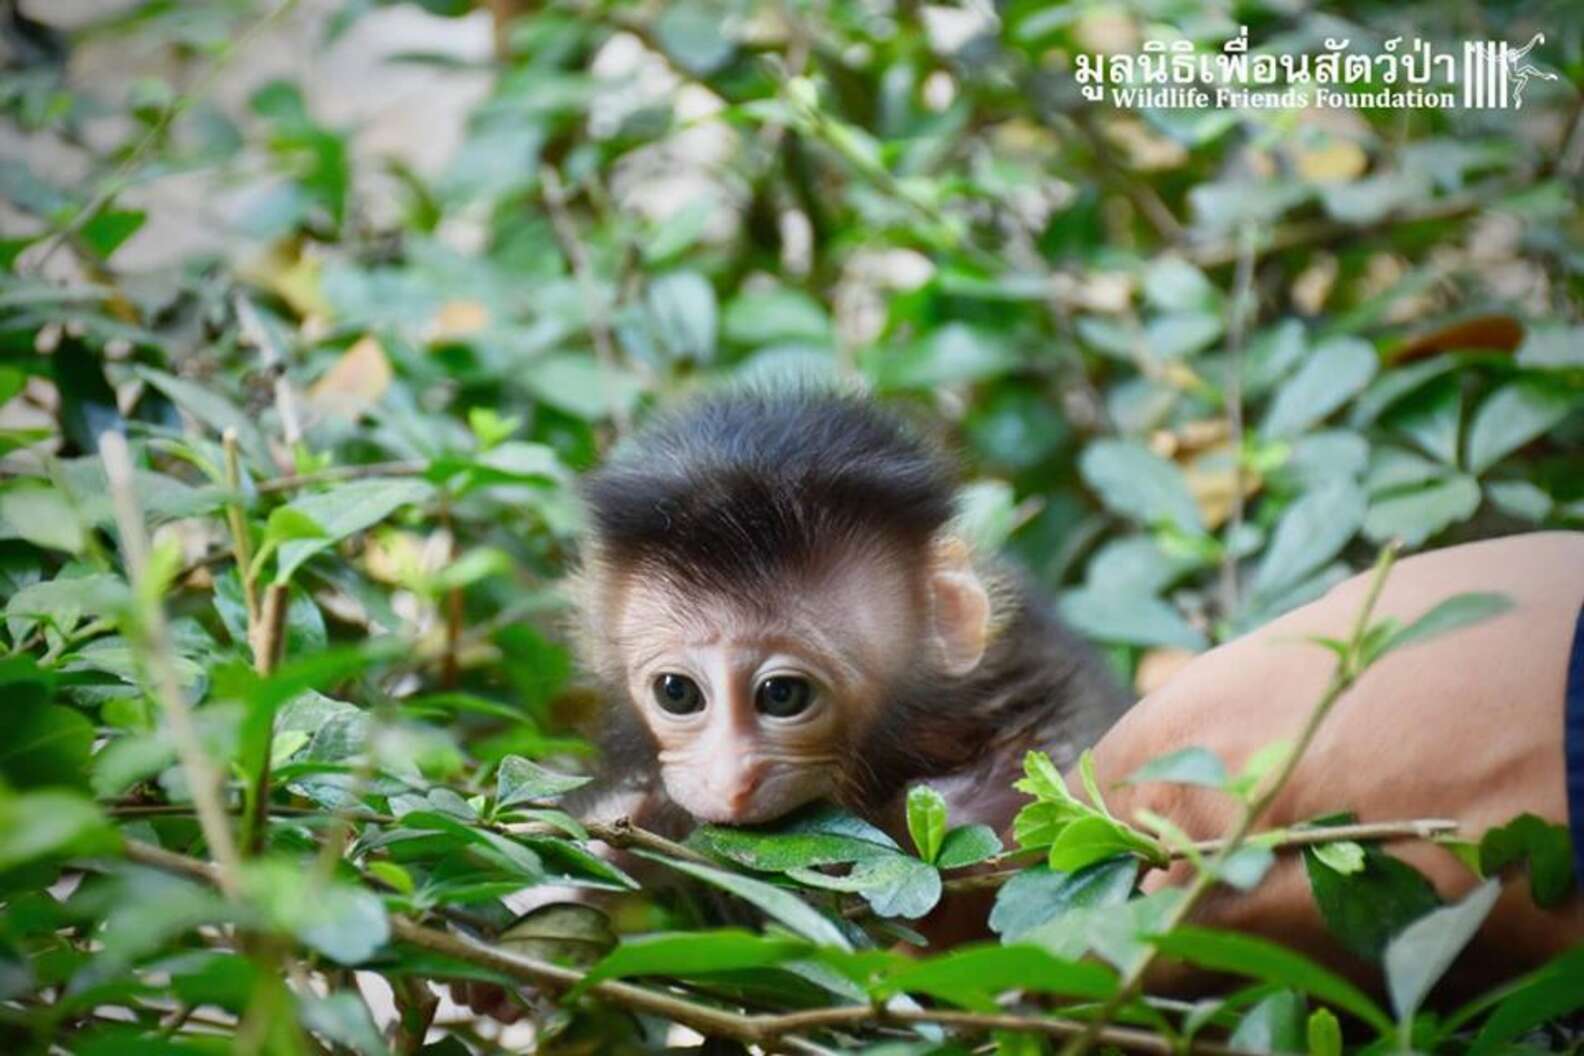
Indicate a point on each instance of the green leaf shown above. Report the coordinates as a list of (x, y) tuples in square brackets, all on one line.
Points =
[(580, 386), (1247, 866), (1393, 385), (1014, 427), (967, 845), (489, 428), (1455, 613), (286, 523), (105, 232), (972, 977), (50, 823), (520, 781), (511, 856), (1417, 958), (1275, 1024), (756, 318), (66, 600), (1336, 371), (1552, 346), (1365, 908), (214, 410), (1091, 782), (1515, 414), (947, 355), (1187, 766), (1135, 482), (568, 933), (1117, 934), (127, 760), (896, 885), (694, 35), (1042, 780), (1520, 498), (1310, 533), (1179, 335), (1547, 848), (1039, 895), (1417, 516), (567, 862), (1324, 1033), (1432, 418), (1344, 857), (779, 851), (1264, 960), (344, 1019), (46, 745), (392, 875), (926, 820), (1089, 840), (1319, 458), (40, 515), (678, 232), (682, 309), (1548, 994), (342, 511), (1368, 200), (1172, 284), (774, 902), (1130, 619), (686, 954)]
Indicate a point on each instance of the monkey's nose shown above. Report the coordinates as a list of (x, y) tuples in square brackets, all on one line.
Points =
[(740, 798)]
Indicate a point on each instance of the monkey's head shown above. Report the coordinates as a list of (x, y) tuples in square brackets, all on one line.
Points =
[(762, 574)]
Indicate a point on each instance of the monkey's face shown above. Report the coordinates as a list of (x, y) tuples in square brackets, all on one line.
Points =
[(755, 707)]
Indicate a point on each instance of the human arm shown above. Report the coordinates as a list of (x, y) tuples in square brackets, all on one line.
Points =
[(1467, 726)]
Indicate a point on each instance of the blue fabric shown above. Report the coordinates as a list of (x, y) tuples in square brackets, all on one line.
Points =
[(1573, 737)]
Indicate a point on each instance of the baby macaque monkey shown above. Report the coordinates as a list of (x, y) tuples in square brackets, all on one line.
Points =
[(774, 602)]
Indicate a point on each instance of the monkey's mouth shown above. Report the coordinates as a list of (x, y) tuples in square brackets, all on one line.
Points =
[(773, 797)]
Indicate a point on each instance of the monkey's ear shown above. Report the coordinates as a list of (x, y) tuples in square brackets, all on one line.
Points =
[(959, 607)]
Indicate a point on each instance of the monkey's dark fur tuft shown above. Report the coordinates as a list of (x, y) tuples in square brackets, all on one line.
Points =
[(734, 491)]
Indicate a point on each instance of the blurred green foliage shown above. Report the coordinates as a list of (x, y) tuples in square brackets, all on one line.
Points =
[(1199, 364)]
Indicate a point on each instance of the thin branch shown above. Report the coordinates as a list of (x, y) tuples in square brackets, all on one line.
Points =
[(755, 1029), (236, 521), (1346, 673), (1317, 232), (268, 641), (151, 628), (622, 834), (336, 474), (1274, 839)]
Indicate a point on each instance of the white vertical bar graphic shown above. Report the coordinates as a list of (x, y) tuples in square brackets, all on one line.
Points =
[(1500, 60), (1482, 75), (1470, 64)]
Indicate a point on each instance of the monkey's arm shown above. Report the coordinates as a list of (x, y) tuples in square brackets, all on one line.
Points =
[(1467, 726)]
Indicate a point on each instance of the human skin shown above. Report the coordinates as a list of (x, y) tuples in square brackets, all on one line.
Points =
[(1467, 726)]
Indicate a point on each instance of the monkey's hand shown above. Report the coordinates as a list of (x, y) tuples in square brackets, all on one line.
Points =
[(1467, 726)]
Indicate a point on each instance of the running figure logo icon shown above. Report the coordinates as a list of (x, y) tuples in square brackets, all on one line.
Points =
[(1495, 73)]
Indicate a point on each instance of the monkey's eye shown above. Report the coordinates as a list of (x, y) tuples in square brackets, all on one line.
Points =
[(678, 695), (782, 696)]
